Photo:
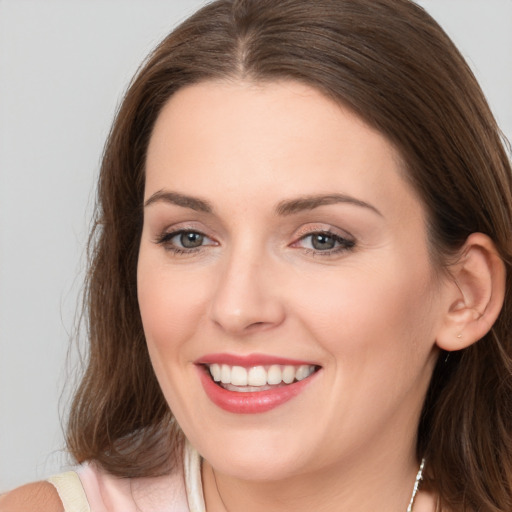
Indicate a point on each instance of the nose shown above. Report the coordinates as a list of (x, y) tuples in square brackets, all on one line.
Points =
[(248, 295)]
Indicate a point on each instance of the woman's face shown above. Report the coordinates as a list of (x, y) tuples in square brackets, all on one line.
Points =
[(281, 244)]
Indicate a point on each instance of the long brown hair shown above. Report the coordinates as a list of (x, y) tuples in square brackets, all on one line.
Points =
[(392, 64)]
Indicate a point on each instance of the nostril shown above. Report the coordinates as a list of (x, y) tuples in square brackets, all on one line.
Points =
[(258, 326)]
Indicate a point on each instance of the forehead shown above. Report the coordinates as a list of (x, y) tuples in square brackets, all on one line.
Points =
[(260, 111), (279, 139)]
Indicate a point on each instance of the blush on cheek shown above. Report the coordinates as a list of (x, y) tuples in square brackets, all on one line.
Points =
[(354, 317), (169, 303), (165, 323)]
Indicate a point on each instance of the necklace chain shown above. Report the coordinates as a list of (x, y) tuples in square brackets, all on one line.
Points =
[(419, 478), (417, 481)]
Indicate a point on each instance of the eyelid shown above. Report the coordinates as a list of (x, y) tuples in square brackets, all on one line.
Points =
[(161, 229), (310, 229), (344, 242), (165, 237), (172, 234)]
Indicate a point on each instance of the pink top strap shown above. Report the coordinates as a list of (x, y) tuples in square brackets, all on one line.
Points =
[(108, 493), (95, 490)]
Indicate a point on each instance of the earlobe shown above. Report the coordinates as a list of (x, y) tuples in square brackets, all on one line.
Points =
[(476, 294)]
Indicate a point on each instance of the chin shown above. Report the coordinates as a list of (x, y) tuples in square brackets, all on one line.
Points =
[(255, 467), (256, 457)]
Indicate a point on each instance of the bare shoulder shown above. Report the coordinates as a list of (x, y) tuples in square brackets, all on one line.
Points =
[(40, 496)]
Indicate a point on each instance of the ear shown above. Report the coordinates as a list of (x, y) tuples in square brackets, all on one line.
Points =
[(475, 294)]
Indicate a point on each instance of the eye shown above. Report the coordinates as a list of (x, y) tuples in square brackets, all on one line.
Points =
[(325, 242), (189, 239), (184, 241)]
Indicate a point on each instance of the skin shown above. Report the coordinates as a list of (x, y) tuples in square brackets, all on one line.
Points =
[(35, 496), (367, 312)]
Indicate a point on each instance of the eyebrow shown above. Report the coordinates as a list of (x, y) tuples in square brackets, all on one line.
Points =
[(284, 208), (194, 203), (311, 202)]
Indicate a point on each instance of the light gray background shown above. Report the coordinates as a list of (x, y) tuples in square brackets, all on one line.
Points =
[(63, 68)]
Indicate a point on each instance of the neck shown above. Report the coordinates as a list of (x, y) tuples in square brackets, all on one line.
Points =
[(384, 485)]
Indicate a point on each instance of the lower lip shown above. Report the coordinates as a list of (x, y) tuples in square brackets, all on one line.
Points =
[(252, 402)]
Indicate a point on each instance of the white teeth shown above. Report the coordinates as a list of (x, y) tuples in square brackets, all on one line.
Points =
[(288, 374), (258, 376), (238, 376), (302, 372), (225, 374), (215, 371), (274, 374)]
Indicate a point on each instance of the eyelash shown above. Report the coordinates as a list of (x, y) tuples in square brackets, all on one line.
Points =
[(344, 244), (165, 239)]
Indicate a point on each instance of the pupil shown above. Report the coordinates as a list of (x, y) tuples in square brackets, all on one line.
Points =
[(191, 240), (323, 242)]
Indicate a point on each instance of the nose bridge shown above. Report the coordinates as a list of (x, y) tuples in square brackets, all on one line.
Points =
[(245, 298)]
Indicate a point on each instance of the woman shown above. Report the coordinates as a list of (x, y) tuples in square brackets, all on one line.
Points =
[(302, 249)]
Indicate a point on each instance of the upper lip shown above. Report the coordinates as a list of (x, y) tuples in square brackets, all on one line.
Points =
[(249, 360)]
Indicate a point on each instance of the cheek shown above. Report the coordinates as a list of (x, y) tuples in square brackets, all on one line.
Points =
[(367, 311), (172, 306), (172, 310), (377, 328)]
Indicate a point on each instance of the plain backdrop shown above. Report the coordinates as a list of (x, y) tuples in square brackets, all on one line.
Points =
[(64, 65)]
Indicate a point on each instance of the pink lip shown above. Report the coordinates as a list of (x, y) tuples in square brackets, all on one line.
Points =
[(251, 402), (248, 360)]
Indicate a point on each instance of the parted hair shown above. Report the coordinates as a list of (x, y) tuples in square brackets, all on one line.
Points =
[(391, 64)]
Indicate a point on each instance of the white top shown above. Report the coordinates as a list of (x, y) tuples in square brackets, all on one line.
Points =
[(91, 489)]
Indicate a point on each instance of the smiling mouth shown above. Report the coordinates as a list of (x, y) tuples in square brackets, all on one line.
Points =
[(258, 378)]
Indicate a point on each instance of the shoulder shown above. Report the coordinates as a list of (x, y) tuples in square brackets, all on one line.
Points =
[(40, 496)]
